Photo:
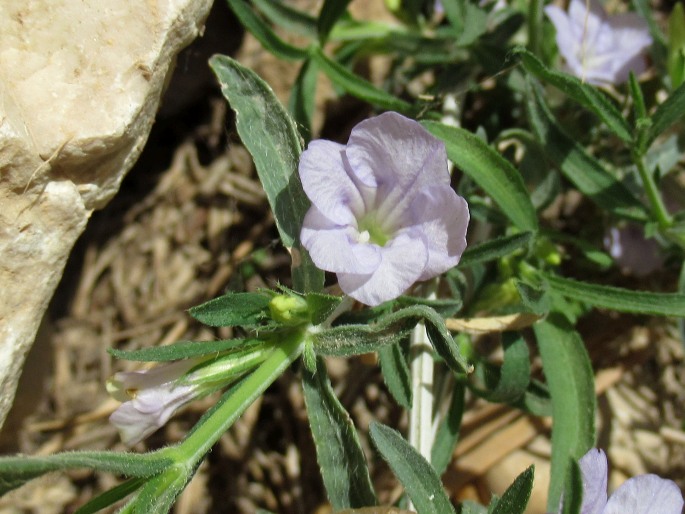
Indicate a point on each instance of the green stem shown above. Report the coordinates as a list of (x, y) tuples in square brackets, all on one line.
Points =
[(199, 442), (659, 211), (534, 26)]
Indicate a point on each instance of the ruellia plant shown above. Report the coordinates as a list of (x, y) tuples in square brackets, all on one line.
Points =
[(432, 221)]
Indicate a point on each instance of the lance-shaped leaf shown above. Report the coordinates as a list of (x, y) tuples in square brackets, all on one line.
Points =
[(396, 373), (233, 309), (583, 170), (568, 371), (515, 498), (285, 16), (495, 249), (16, 471), (330, 12), (272, 139), (510, 382), (340, 456), (357, 86), (669, 112), (111, 496), (418, 477), (490, 171), (585, 94), (346, 340), (619, 299), (448, 432), (267, 37)]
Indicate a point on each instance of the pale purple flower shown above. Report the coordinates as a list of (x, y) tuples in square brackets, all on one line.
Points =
[(150, 398), (383, 213), (643, 494), (597, 48), (632, 251)]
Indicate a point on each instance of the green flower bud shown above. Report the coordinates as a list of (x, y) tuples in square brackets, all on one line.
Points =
[(289, 310)]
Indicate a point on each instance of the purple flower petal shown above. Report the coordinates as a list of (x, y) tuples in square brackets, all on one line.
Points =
[(442, 216), (334, 247), (149, 410), (326, 183), (646, 494), (594, 467), (383, 213), (597, 48), (402, 263)]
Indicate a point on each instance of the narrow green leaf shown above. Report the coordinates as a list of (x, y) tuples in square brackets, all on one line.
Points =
[(303, 96), (568, 371), (272, 139), (668, 113), (619, 299), (16, 471), (676, 45), (573, 492), (515, 498), (445, 307), (418, 477), (357, 86), (396, 373), (495, 249), (345, 340), (583, 170), (111, 496), (585, 94), (448, 432), (181, 350), (331, 11), (264, 34), (510, 382), (233, 309), (340, 456), (490, 171), (158, 494), (285, 16)]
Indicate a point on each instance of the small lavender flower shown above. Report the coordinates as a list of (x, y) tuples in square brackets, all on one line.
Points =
[(597, 48), (150, 398), (383, 213), (644, 494), (632, 251)]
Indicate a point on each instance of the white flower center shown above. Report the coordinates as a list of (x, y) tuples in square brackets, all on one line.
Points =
[(364, 237)]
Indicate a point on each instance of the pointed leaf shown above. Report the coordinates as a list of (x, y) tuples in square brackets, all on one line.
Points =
[(111, 496), (418, 477), (494, 249), (285, 16), (233, 309), (330, 12), (267, 37), (668, 113), (271, 136), (583, 170), (340, 456), (448, 432), (515, 498), (396, 373), (568, 371), (619, 299)]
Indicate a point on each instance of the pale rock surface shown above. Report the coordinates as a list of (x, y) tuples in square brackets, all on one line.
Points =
[(80, 83)]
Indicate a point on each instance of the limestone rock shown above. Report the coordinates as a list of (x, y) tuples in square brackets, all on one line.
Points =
[(80, 83)]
